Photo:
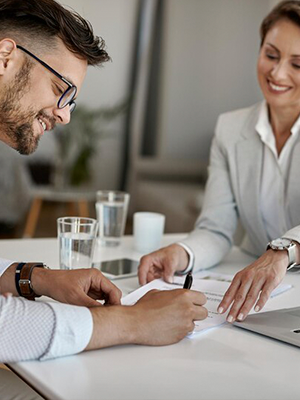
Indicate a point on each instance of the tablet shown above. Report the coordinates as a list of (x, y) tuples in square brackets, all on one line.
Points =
[(120, 268)]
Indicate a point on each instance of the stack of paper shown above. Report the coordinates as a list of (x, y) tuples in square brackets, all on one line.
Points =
[(211, 284)]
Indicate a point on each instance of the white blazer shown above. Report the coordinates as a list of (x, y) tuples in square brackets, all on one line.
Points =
[(232, 191)]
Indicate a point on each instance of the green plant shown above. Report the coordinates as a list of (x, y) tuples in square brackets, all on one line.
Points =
[(77, 141)]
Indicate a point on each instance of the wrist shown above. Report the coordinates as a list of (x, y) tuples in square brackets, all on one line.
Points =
[(185, 258), (285, 247), (112, 326), (41, 281)]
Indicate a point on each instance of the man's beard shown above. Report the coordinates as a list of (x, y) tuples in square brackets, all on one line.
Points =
[(15, 124)]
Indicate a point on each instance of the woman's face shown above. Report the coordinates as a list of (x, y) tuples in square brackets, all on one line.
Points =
[(278, 66)]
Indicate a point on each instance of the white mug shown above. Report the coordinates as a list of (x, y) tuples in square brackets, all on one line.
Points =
[(148, 228)]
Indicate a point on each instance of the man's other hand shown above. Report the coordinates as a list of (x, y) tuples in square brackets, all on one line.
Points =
[(82, 287)]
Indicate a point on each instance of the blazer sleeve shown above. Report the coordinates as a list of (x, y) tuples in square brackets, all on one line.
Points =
[(212, 236), (293, 234)]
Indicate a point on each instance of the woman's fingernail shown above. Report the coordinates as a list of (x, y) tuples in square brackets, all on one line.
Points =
[(240, 316), (230, 318), (257, 308), (220, 310)]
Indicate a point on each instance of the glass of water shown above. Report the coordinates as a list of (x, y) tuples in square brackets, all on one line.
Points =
[(111, 208), (76, 241)]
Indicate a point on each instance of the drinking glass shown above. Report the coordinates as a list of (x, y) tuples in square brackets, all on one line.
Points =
[(76, 241), (111, 208)]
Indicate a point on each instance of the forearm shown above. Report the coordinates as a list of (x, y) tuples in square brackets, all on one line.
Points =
[(113, 326)]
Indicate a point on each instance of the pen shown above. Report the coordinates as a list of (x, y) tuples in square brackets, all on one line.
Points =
[(188, 281)]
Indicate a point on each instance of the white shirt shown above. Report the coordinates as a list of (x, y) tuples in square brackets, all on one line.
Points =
[(39, 330), (275, 169)]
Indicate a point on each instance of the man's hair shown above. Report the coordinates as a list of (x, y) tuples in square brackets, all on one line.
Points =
[(289, 10), (38, 23)]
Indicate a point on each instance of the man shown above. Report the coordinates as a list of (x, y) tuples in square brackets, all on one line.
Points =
[(44, 53)]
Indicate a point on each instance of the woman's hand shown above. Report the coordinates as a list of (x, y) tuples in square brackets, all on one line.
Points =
[(163, 263), (254, 285)]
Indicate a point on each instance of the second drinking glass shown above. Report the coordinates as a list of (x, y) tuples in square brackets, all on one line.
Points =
[(111, 208)]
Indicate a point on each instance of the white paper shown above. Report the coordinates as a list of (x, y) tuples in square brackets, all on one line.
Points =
[(212, 285)]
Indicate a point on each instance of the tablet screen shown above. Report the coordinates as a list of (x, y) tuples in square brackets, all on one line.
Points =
[(123, 266)]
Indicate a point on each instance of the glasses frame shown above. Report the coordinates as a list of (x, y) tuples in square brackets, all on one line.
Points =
[(70, 85)]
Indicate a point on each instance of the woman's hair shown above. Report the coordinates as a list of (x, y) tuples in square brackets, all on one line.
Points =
[(38, 23), (289, 9)]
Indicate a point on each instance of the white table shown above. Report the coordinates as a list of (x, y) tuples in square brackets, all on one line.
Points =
[(222, 363)]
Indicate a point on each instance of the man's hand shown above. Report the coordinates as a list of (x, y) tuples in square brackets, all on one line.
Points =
[(80, 287), (158, 318), (165, 317), (254, 285), (163, 263)]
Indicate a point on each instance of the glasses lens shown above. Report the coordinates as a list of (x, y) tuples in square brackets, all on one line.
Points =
[(67, 97), (72, 106)]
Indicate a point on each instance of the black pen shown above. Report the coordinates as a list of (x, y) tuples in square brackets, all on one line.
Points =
[(188, 281)]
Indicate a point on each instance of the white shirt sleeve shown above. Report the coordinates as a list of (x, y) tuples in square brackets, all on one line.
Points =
[(4, 264), (39, 331), (191, 259)]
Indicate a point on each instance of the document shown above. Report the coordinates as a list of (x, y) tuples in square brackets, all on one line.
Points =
[(211, 284)]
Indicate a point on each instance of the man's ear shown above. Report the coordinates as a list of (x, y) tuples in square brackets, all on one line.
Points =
[(7, 52)]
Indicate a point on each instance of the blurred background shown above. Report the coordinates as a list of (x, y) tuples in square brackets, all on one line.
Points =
[(144, 121)]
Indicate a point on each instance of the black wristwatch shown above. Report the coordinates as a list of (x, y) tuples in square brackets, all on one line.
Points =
[(285, 244)]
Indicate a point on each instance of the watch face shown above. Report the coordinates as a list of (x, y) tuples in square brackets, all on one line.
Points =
[(281, 242)]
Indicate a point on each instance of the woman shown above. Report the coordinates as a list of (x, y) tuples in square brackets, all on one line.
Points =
[(253, 175)]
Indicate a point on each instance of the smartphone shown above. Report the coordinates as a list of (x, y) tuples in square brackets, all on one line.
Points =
[(123, 267)]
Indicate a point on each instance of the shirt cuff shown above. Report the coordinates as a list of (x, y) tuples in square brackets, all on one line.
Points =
[(191, 259), (73, 330), (4, 264)]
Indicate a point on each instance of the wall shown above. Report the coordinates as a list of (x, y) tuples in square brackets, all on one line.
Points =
[(209, 67)]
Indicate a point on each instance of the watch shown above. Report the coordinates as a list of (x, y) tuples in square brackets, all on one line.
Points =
[(285, 244), (23, 279)]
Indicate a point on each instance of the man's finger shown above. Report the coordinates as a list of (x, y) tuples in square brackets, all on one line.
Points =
[(198, 298), (82, 299), (200, 313), (112, 293)]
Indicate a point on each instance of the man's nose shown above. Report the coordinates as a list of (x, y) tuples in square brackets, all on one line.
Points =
[(62, 115)]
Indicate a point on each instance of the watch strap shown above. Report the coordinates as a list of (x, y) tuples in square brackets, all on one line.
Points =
[(23, 279), (292, 256)]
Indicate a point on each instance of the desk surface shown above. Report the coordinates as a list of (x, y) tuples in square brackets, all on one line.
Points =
[(221, 363)]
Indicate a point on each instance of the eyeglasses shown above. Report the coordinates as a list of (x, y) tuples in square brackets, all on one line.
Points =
[(66, 99)]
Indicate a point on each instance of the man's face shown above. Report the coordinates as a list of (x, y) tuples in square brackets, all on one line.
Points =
[(29, 96)]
